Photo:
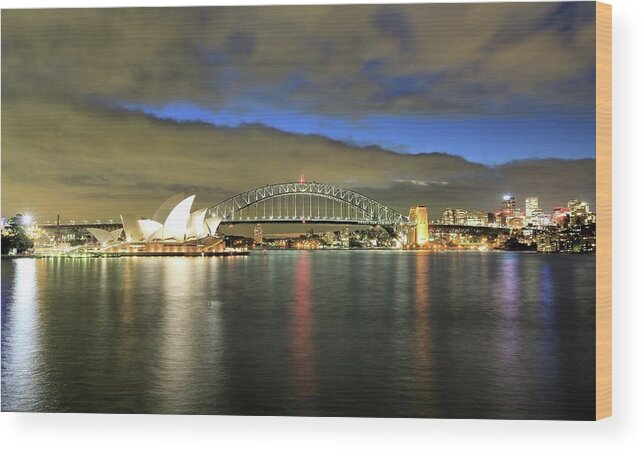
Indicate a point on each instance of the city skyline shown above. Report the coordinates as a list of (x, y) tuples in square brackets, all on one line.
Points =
[(375, 98), (436, 217)]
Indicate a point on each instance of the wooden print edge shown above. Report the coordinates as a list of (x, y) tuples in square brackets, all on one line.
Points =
[(603, 210)]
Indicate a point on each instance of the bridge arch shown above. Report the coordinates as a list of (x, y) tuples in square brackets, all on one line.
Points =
[(305, 201)]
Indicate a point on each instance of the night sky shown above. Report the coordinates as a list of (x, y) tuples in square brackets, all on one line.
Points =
[(110, 111)]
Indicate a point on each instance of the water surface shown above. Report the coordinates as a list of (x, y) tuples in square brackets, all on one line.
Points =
[(318, 333)]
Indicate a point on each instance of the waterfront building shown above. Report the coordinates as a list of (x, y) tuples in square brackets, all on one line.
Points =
[(172, 222), (258, 234), (345, 237), (173, 230), (105, 237)]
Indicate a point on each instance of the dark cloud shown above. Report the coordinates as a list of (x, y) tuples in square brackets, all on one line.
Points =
[(100, 163), (66, 148), (240, 43), (390, 21), (500, 58)]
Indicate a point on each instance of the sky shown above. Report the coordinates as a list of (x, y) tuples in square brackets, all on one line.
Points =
[(110, 111)]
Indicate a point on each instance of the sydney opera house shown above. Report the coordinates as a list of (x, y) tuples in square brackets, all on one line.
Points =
[(172, 230)]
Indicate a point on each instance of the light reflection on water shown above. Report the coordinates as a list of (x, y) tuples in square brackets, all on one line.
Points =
[(349, 333), (21, 362), (303, 363)]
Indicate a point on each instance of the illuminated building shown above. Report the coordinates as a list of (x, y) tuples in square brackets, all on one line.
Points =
[(508, 205), (476, 219), (104, 237), (454, 216), (419, 230), (531, 206), (172, 231), (345, 237), (258, 234), (585, 206), (460, 216), (448, 216), (573, 204), (172, 222), (579, 212), (581, 207), (560, 216), (515, 222)]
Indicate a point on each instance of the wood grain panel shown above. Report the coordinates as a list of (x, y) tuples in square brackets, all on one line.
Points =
[(603, 210)]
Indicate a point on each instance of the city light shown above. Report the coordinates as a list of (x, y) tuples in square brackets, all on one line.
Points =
[(510, 228)]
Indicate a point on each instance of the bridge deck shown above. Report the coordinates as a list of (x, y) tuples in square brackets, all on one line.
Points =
[(299, 220)]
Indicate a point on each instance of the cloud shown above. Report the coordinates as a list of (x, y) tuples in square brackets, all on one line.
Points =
[(352, 60), (67, 148), (98, 163)]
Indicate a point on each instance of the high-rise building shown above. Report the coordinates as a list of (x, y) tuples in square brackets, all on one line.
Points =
[(258, 234), (508, 205), (531, 205), (573, 204), (578, 211), (448, 216), (460, 216), (582, 208), (454, 216), (419, 230)]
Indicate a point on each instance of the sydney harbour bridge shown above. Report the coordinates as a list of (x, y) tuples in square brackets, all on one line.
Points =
[(311, 202), (314, 202)]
